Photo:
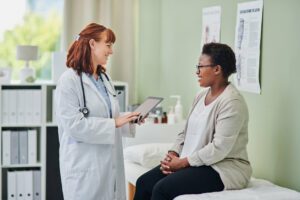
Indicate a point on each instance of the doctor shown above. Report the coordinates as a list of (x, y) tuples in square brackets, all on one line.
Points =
[(89, 125)]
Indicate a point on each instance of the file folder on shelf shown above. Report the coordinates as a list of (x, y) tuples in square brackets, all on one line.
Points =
[(21, 106), (14, 147), (32, 146), (37, 106), (11, 186), (5, 107), (21, 182), (28, 186), (23, 147), (37, 185), (12, 103), (6, 147), (28, 103)]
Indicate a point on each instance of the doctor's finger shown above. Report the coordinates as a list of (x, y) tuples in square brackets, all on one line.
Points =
[(141, 121), (128, 117), (133, 114), (120, 121), (131, 118)]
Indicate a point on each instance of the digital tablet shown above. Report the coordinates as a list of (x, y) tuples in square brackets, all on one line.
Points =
[(146, 107)]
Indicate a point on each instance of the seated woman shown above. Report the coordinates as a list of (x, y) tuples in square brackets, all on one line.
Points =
[(210, 154)]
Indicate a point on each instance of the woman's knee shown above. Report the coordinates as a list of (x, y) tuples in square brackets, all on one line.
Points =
[(141, 180), (149, 178), (161, 190)]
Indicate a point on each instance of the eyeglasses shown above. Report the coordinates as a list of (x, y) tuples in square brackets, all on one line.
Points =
[(198, 67)]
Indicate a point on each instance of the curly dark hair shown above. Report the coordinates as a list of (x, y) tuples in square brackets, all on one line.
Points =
[(223, 55)]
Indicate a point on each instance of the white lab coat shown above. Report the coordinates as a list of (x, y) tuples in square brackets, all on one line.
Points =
[(90, 154)]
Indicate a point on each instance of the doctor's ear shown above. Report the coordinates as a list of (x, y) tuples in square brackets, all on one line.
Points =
[(92, 43)]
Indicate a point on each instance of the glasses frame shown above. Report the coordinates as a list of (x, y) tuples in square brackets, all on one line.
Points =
[(198, 67)]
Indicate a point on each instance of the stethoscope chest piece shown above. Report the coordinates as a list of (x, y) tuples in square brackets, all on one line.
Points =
[(85, 111)]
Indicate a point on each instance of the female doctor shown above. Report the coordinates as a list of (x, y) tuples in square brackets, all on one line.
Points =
[(89, 125)]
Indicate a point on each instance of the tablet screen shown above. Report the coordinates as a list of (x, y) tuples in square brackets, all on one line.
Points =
[(147, 106)]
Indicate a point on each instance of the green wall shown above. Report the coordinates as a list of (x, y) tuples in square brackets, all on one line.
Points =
[(169, 47)]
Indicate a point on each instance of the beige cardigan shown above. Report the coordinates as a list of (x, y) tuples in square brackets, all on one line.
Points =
[(223, 145)]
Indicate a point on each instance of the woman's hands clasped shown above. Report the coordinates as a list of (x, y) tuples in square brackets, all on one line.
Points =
[(120, 121), (173, 163)]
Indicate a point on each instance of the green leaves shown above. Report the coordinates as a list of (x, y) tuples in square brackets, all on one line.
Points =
[(43, 31)]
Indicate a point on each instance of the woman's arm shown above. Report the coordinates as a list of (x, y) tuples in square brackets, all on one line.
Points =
[(230, 120), (178, 145)]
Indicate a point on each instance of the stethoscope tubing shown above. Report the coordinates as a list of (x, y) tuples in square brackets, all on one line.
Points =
[(85, 110)]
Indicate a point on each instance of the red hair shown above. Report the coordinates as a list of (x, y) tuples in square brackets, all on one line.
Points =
[(79, 54)]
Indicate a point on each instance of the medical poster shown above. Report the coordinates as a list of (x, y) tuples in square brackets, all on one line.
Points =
[(211, 22), (247, 45)]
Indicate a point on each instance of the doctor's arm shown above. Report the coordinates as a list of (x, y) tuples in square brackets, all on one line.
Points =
[(128, 129), (124, 119), (94, 130)]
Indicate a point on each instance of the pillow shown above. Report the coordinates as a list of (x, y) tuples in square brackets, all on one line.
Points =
[(147, 155)]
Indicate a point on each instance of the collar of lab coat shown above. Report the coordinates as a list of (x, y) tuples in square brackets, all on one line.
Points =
[(86, 80)]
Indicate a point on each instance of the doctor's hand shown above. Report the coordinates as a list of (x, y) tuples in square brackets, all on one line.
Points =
[(124, 119), (142, 121)]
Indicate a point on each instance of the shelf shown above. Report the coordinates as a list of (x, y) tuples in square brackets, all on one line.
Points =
[(38, 82), (42, 126), (21, 125), (51, 124), (22, 166)]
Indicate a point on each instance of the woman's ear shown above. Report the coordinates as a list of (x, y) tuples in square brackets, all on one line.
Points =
[(92, 43), (218, 70)]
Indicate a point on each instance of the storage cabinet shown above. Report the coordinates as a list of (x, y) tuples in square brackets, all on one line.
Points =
[(29, 146)]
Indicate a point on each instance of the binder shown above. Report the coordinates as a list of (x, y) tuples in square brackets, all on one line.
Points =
[(36, 185), (5, 107), (28, 104), (12, 103), (11, 185), (23, 147), (20, 106), (14, 147), (32, 146), (37, 106), (21, 182), (28, 186), (6, 147)]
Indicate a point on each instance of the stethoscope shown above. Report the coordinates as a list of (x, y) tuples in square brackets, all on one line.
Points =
[(111, 90)]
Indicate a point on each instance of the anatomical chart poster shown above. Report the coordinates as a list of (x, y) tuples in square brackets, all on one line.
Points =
[(247, 45), (211, 23)]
